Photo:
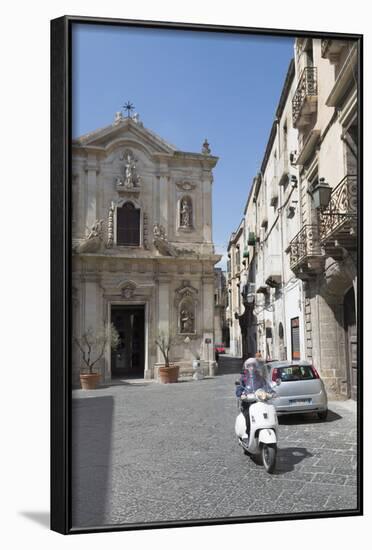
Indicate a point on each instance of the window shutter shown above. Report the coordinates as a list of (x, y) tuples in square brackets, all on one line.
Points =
[(295, 337)]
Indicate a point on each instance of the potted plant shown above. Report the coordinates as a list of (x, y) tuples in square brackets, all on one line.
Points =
[(92, 346), (168, 373)]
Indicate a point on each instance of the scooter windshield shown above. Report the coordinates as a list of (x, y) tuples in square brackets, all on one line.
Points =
[(255, 379)]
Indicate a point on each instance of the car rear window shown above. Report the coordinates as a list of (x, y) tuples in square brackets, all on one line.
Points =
[(294, 373)]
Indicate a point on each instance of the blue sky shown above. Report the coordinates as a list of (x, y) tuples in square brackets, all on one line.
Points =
[(187, 86)]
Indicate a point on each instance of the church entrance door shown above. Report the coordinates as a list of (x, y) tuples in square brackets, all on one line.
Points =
[(128, 359)]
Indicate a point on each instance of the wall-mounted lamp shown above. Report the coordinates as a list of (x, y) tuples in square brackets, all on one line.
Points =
[(321, 194)]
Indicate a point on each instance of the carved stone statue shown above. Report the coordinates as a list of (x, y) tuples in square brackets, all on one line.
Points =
[(159, 231), (93, 239), (161, 243), (130, 179), (129, 172), (118, 117), (186, 321), (206, 149), (186, 213)]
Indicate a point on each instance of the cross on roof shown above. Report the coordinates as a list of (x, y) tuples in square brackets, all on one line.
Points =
[(129, 107)]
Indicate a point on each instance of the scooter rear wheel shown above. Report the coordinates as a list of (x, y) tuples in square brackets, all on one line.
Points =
[(269, 457)]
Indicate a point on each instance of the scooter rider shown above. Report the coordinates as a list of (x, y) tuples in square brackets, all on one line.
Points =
[(250, 380)]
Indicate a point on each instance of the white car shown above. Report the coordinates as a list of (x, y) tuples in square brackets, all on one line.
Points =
[(301, 389)]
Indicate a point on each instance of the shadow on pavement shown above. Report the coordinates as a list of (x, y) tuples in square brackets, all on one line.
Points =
[(91, 453), (288, 457), (308, 418)]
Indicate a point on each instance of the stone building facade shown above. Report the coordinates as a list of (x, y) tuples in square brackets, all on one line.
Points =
[(299, 232), (324, 253), (143, 256), (221, 329), (235, 306), (278, 307)]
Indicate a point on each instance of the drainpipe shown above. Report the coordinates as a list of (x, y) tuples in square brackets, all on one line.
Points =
[(284, 294)]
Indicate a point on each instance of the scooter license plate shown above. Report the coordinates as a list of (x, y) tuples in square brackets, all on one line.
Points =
[(298, 402)]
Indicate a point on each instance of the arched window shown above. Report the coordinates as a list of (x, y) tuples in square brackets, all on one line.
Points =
[(128, 223)]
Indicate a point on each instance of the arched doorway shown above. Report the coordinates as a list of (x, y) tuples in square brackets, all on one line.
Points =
[(351, 340)]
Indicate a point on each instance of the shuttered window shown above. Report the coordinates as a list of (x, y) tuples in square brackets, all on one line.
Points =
[(295, 337), (128, 225)]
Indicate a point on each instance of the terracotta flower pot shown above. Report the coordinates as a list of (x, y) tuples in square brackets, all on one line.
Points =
[(89, 381), (168, 375)]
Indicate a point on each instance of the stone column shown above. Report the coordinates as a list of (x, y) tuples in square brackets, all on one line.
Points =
[(207, 206), (91, 169), (208, 320), (163, 197)]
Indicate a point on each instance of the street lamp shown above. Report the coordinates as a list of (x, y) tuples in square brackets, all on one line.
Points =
[(321, 194)]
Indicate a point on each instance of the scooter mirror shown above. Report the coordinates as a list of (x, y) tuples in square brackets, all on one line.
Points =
[(237, 382)]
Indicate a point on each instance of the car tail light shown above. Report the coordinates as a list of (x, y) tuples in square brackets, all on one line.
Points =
[(315, 372), (275, 375)]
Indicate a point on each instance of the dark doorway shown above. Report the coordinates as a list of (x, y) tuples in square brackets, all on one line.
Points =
[(351, 339), (129, 359)]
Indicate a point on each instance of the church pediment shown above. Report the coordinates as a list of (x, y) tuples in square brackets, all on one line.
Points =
[(126, 131)]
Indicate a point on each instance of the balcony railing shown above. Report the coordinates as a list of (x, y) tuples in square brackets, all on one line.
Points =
[(304, 101), (338, 221), (304, 250)]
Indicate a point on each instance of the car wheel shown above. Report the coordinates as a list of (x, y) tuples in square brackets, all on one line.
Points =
[(323, 415)]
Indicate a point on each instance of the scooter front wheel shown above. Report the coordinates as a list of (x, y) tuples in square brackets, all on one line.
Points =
[(269, 457)]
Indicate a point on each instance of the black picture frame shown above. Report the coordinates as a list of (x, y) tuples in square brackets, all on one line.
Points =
[(61, 339)]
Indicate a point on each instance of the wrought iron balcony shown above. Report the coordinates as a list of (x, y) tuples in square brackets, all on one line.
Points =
[(305, 253), (338, 221), (304, 101)]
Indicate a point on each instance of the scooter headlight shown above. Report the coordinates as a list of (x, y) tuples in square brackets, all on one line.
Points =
[(261, 395)]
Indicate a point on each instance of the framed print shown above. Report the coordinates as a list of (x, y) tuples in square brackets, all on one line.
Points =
[(206, 275)]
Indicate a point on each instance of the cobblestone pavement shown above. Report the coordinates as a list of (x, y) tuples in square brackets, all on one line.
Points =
[(147, 452)]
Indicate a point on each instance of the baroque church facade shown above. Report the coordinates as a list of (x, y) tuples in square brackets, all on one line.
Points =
[(143, 257)]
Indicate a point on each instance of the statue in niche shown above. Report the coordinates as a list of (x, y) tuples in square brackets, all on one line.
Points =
[(186, 213), (130, 179), (129, 172), (186, 321)]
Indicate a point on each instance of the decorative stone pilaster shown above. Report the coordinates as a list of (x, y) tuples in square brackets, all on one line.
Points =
[(92, 169)]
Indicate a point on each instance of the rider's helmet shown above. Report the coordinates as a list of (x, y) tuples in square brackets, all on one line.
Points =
[(253, 370)]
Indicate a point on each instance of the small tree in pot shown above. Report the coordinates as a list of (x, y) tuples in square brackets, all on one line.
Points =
[(168, 372), (92, 346)]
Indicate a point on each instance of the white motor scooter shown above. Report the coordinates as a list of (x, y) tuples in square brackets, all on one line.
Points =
[(263, 437)]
